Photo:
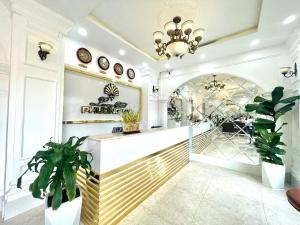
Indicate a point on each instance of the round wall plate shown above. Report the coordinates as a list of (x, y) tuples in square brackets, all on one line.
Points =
[(118, 68), (130, 74), (84, 55), (103, 63)]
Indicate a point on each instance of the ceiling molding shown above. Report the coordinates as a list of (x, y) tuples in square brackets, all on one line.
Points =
[(101, 24), (92, 18), (231, 36)]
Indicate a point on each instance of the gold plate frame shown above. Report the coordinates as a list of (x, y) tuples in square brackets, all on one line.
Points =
[(106, 78)]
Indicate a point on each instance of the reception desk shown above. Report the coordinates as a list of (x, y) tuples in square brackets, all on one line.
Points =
[(129, 168)]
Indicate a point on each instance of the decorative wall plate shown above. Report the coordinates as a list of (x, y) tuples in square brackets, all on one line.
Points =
[(130, 74), (118, 68), (84, 55), (111, 90), (103, 63)]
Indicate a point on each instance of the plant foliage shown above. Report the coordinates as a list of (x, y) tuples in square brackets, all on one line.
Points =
[(268, 135), (57, 165), (130, 116)]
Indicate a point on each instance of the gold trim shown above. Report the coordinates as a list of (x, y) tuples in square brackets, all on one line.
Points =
[(103, 77), (90, 121), (116, 193), (94, 19), (231, 36)]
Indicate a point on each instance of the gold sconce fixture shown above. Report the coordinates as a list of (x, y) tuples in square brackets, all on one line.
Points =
[(45, 49), (288, 72)]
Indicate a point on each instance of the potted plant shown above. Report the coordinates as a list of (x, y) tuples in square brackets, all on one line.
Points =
[(177, 121), (131, 121), (56, 166), (268, 133)]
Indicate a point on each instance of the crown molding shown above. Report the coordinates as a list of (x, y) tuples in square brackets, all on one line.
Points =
[(37, 13)]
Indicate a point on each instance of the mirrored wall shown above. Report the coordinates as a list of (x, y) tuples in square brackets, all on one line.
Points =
[(219, 100)]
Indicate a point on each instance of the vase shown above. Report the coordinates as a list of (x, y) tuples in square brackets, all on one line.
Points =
[(67, 214), (273, 175)]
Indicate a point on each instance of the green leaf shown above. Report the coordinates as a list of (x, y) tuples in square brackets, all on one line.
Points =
[(45, 174), (35, 190), (57, 156), (259, 99), (57, 197), (277, 94), (280, 112), (70, 181), (251, 107), (290, 99)]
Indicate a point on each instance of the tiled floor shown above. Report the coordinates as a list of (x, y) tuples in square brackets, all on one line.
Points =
[(204, 195)]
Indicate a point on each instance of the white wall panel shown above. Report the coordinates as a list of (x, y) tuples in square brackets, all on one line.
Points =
[(39, 114)]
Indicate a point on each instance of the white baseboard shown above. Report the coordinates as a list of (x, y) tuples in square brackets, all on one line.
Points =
[(228, 164), (21, 205)]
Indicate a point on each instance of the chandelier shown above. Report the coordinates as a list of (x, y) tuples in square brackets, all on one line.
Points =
[(180, 42), (214, 85)]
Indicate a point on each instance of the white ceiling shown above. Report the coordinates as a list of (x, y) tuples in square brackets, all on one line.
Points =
[(128, 25), (135, 22)]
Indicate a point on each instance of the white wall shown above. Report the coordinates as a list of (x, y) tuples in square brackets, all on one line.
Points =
[(294, 116), (93, 91), (261, 67), (5, 37), (35, 95)]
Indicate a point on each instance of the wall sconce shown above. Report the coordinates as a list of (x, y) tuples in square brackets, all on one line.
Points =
[(287, 72), (155, 89), (45, 49)]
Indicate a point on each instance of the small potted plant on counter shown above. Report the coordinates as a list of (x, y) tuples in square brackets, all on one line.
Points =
[(131, 121), (56, 166), (268, 132)]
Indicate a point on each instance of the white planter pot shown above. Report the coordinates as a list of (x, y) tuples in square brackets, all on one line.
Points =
[(273, 175), (67, 214)]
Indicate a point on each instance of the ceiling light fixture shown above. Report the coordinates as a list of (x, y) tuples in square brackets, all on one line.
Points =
[(289, 20), (145, 64), (122, 52), (214, 85), (82, 31), (180, 42), (254, 42)]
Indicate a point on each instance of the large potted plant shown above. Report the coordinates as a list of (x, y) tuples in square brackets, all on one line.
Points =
[(56, 166), (268, 133), (131, 121)]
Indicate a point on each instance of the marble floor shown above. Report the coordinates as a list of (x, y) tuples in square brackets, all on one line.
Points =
[(203, 195)]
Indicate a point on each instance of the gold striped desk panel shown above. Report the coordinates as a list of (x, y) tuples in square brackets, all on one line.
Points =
[(201, 141), (109, 197)]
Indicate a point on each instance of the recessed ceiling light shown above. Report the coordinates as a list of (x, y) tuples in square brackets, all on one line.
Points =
[(82, 31), (254, 42), (203, 56), (167, 65), (289, 20), (122, 52), (145, 64)]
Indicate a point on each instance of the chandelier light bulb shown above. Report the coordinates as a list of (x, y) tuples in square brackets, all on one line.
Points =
[(158, 35), (187, 27), (198, 34), (170, 27)]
